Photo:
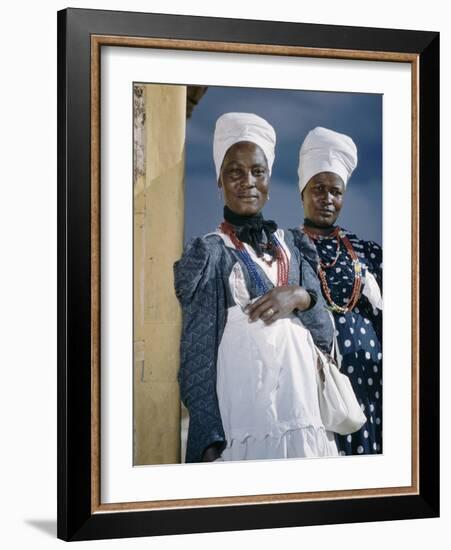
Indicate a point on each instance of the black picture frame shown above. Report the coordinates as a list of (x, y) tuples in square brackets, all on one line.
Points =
[(77, 520)]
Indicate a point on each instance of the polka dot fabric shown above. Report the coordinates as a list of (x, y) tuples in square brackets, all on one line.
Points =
[(359, 336)]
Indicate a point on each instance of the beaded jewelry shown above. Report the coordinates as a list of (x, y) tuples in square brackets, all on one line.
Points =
[(341, 237), (280, 257)]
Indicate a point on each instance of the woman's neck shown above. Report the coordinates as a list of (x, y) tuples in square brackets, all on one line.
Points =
[(318, 230), (241, 219)]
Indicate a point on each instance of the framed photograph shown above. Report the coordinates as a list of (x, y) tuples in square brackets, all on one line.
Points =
[(176, 414)]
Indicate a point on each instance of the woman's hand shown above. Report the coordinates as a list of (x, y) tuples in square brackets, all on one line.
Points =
[(278, 302)]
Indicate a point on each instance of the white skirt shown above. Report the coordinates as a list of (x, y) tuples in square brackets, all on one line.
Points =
[(267, 391)]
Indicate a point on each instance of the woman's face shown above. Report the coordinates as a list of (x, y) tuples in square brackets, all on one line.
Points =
[(244, 178), (323, 198)]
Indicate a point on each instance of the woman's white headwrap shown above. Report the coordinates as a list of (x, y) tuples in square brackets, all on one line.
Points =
[(232, 128), (324, 150)]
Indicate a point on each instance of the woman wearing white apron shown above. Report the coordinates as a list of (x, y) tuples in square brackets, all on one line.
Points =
[(250, 386)]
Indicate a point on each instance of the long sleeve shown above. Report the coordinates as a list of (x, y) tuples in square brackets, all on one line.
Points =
[(316, 319), (373, 254), (202, 299)]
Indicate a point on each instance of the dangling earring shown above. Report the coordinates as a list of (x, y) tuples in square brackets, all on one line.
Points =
[(267, 197)]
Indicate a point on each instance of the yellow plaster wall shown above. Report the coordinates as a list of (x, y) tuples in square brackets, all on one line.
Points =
[(158, 242)]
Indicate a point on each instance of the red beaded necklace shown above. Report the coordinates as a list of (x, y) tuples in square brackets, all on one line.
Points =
[(341, 236), (280, 254)]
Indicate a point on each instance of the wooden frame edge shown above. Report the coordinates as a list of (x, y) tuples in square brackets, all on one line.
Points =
[(415, 299), (95, 276), (109, 40), (98, 40)]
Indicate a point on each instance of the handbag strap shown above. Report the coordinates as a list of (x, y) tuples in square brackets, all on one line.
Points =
[(335, 351)]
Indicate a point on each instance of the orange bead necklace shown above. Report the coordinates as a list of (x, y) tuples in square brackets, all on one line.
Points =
[(341, 237)]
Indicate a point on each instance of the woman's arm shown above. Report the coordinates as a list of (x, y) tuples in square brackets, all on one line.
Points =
[(203, 308), (305, 300), (317, 318), (373, 254)]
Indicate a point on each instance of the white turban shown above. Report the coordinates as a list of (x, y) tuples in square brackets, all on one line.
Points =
[(324, 150), (232, 128)]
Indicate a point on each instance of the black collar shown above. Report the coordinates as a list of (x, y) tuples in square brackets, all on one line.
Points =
[(253, 230)]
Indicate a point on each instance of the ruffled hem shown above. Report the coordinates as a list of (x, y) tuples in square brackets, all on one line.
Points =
[(276, 431), (305, 442)]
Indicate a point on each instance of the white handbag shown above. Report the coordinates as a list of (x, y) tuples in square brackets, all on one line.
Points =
[(339, 408)]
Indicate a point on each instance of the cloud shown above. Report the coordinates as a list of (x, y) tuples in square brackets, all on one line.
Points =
[(362, 210), (293, 114)]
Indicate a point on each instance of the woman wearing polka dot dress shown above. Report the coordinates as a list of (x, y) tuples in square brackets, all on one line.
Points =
[(350, 271)]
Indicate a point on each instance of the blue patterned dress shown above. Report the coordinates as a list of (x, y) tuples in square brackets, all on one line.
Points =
[(359, 336)]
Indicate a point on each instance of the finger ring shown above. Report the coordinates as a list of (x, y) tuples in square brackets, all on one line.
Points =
[(269, 312)]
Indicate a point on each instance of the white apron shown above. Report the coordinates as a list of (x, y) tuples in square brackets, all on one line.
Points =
[(266, 384)]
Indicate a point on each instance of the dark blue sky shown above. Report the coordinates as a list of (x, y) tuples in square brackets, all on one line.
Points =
[(292, 114)]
